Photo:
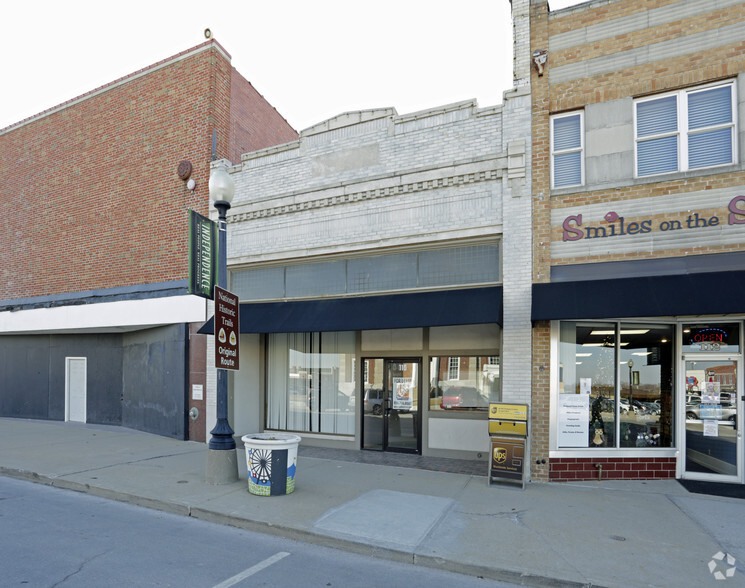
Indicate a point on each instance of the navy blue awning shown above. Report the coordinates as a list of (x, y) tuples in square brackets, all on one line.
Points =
[(389, 311), (648, 296)]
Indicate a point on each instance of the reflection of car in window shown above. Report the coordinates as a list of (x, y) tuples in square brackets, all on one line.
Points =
[(693, 410), (374, 400), (462, 397), (625, 408)]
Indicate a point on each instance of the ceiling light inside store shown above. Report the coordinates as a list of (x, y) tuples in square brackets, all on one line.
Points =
[(583, 354), (603, 344), (623, 332), (641, 353)]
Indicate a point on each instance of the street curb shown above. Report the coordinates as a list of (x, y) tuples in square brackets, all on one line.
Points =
[(504, 575)]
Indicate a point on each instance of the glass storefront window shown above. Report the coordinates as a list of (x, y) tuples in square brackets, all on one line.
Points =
[(615, 385), (310, 382), (463, 383), (646, 385)]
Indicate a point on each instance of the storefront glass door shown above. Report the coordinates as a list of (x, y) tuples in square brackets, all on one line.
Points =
[(391, 405), (712, 442)]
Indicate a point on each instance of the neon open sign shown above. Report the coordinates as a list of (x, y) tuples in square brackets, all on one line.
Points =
[(717, 336), (709, 339)]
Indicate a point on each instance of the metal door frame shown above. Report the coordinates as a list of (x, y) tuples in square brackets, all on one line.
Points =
[(681, 429), (386, 400)]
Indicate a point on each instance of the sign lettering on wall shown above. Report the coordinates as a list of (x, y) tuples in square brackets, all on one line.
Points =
[(574, 228)]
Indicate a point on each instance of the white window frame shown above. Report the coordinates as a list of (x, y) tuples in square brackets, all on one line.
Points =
[(453, 368), (580, 149), (682, 132)]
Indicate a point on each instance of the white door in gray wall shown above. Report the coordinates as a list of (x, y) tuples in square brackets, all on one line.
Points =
[(75, 388)]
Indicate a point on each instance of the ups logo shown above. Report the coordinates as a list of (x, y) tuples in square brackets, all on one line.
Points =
[(500, 454)]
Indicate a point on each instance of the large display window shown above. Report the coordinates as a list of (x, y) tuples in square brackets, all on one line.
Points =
[(310, 382), (463, 383), (615, 385)]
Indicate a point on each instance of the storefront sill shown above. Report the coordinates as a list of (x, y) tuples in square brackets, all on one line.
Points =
[(470, 415), (320, 436), (614, 454)]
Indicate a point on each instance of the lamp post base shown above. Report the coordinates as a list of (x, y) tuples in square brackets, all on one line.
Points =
[(222, 466)]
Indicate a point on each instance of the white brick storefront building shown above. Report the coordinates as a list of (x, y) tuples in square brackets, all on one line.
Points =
[(383, 263)]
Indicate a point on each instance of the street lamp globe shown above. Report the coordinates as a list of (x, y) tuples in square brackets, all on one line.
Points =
[(222, 186)]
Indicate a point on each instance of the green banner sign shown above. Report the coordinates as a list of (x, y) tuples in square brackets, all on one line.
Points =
[(202, 255)]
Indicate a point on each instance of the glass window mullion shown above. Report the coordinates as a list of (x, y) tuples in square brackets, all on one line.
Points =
[(617, 402)]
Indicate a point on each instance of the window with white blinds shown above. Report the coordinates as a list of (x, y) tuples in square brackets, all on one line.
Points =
[(567, 150), (685, 130)]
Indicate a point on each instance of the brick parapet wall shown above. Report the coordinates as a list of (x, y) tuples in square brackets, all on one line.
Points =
[(254, 123), (391, 181), (602, 11), (674, 29), (90, 197), (672, 47), (566, 469)]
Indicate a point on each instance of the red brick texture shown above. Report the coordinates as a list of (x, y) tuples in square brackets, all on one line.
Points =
[(90, 197), (254, 123), (565, 469)]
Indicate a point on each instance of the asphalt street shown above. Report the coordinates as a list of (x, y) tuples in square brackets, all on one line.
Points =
[(53, 537)]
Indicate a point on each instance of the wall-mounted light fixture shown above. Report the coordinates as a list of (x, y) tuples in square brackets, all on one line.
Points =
[(540, 56)]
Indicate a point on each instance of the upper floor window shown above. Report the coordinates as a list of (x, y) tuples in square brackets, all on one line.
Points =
[(689, 129), (567, 150)]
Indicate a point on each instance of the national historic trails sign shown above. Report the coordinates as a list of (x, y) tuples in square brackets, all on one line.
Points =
[(227, 332), (202, 255)]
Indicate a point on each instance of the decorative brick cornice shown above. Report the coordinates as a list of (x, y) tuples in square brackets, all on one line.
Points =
[(371, 194)]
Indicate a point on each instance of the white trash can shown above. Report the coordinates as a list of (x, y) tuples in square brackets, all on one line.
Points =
[(271, 460)]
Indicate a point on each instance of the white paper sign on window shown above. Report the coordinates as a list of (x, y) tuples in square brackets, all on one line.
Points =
[(402, 394), (711, 392), (585, 385), (574, 420)]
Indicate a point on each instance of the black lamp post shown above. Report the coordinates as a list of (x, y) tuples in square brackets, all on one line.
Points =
[(222, 465)]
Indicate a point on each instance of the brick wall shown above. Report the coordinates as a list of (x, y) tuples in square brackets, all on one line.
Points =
[(566, 469), (254, 123), (90, 197), (541, 402)]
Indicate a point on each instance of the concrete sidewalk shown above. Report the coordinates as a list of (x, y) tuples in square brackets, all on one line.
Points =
[(593, 533)]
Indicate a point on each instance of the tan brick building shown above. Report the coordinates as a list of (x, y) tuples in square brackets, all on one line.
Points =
[(638, 239), (95, 317)]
